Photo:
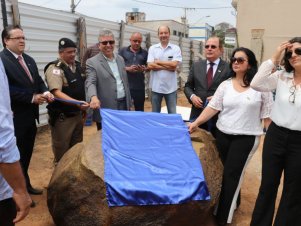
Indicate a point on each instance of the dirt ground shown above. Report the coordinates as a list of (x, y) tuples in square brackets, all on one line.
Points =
[(41, 169)]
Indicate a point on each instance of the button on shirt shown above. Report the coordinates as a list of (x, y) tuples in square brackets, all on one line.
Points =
[(114, 67), (163, 81), (9, 152)]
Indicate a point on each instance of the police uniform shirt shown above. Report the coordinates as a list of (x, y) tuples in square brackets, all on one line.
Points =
[(55, 77)]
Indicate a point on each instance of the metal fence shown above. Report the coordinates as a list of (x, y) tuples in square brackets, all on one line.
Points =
[(43, 27)]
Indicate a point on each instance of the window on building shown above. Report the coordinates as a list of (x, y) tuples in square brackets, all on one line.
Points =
[(174, 32), (180, 34)]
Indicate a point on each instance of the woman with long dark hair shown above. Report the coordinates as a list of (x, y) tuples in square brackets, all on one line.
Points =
[(240, 109), (282, 144)]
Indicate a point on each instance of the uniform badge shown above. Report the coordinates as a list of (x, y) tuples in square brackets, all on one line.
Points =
[(56, 71)]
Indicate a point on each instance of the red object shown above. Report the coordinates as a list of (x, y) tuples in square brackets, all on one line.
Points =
[(210, 74), (20, 59)]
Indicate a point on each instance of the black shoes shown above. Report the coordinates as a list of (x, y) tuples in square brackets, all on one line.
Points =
[(34, 191), (33, 204)]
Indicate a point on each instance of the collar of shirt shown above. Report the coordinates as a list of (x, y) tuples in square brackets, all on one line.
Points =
[(169, 45), (15, 55), (108, 59), (72, 67), (130, 49), (216, 62)]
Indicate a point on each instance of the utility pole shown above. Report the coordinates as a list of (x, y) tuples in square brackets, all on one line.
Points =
[(73, 5)]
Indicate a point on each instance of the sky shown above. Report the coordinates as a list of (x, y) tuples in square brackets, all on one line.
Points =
[(115, 10)]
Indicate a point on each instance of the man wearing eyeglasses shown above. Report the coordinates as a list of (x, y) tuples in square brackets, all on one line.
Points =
[(27, 92), (135, 65), (203, 80), (107, 83)]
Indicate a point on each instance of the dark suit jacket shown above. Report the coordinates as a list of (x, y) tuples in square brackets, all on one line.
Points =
[(197, 83), (20, 86), (101, 82)]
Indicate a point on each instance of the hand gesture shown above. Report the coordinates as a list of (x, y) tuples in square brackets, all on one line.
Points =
[(196, 101), (23, 202), (95, 103), (84, 105), (276, 58)]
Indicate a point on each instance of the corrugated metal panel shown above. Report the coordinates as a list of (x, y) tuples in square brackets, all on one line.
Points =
[(43, 28), (93, 26)]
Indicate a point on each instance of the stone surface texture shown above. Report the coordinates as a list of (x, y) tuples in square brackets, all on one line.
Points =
[(77, 195)]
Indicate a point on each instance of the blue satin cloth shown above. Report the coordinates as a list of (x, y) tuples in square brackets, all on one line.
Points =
[(149, 159)]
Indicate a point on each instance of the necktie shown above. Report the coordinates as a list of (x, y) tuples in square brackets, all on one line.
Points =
[(20, 59), (210, 74)]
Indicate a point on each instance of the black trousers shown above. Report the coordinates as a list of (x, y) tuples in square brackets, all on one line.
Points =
[(138, 96), (235, 152), (25, 131), (281, 153), (8, 212)]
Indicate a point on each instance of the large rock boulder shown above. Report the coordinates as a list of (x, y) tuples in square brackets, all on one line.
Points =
[(77, 193)]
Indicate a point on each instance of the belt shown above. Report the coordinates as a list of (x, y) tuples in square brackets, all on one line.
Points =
[(70, 114), (121, 99)]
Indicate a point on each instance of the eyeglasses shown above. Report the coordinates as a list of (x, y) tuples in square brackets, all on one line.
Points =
[(239, 60), (136, 41), (292, 91), (289, 54), (210, 46), (111, 42), (18, 38)]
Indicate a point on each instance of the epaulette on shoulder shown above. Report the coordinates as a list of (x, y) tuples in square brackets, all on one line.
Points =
[(58, 64)]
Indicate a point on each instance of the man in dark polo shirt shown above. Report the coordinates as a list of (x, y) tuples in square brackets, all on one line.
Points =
[(135, 61)]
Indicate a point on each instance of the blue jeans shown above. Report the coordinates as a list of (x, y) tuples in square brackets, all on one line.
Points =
[(170, 99)]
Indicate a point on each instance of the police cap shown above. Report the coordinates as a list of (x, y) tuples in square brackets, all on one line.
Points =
[(66, 43)]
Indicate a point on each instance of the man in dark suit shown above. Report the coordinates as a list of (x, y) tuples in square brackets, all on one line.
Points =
[(107, 83), (27, 92), (202, 83)]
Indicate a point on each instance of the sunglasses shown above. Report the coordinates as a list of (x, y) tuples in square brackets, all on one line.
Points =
[(210, 46), (239, 60), (292, 95), (111, 42), (289, 54)]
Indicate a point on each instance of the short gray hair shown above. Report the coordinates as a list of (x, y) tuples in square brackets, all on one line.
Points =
[(105, 32)]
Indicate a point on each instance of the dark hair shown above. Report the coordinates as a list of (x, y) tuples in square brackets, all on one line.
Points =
[(6, 32), (249, 75), (288, 67)]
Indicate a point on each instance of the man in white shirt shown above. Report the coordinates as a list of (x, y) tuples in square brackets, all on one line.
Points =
[(12, 182), (163, 59)]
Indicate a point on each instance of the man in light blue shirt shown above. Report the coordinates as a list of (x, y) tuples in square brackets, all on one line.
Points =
[(163, 59), (13, 192)]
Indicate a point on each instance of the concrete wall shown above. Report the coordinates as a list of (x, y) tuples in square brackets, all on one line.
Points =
[(263, 24)]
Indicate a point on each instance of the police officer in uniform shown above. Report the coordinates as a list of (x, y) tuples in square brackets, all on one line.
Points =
[(66, 83)]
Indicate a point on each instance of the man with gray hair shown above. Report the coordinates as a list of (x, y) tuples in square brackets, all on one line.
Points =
[(107, 84)]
